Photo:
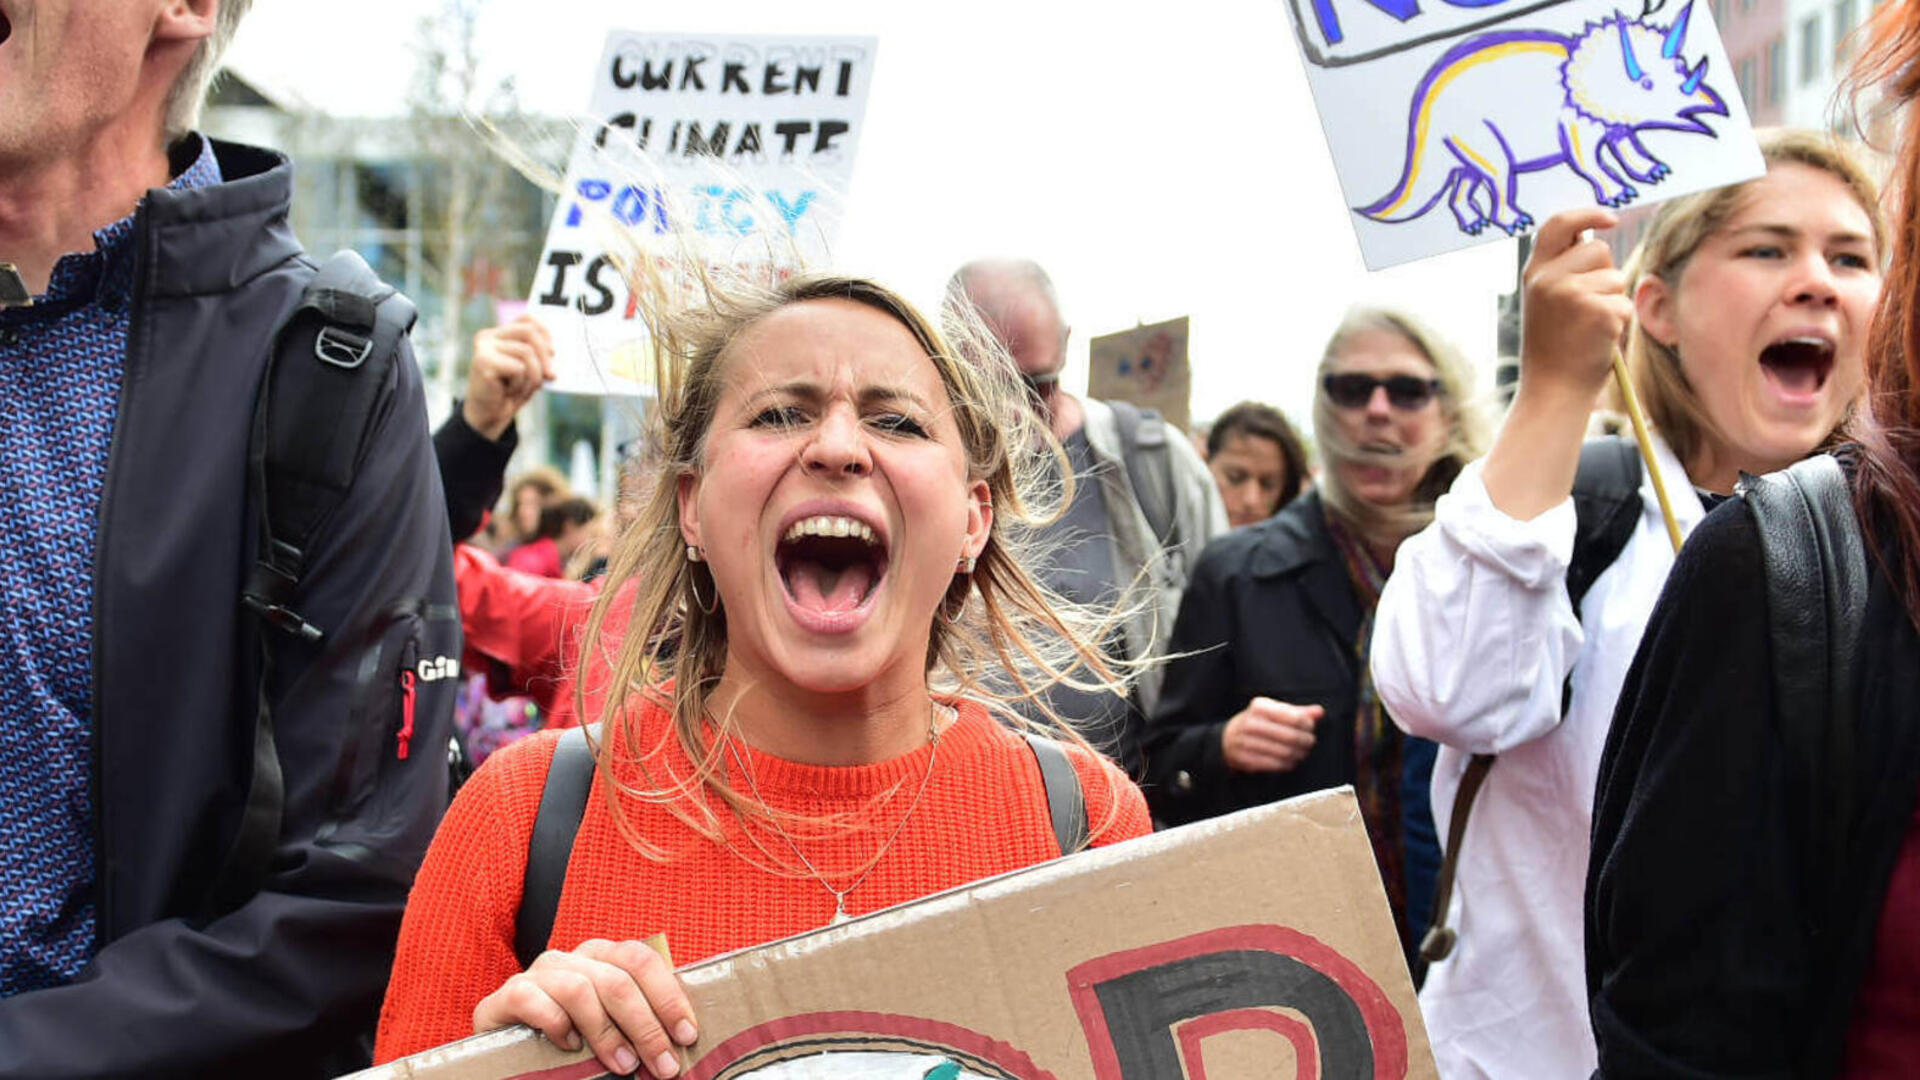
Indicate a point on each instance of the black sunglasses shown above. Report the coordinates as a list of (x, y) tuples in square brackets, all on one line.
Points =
[(1039, 386), (1405, 392)]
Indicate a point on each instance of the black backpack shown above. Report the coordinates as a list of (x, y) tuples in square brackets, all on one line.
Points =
[(327, 366), (1816, 582), (563, 801)]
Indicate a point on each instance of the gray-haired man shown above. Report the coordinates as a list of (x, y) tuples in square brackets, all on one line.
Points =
[(134, 939), (1114, 536)]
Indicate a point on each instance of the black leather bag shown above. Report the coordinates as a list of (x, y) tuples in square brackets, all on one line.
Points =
[(1816, 585)]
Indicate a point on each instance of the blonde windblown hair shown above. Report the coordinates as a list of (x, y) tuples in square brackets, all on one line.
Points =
[(997, 619)]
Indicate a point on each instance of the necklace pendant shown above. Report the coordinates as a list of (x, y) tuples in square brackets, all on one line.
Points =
[(839, 912)]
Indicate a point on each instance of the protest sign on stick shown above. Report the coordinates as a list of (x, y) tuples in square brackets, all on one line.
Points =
[(1461, 122), (1510, 111), (1147, 366), (1253, 945), (729, 151)]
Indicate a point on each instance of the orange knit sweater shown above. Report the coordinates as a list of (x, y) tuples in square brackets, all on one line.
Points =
[(984, 812)]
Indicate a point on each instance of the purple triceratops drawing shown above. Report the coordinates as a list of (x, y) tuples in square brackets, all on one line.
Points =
[(1580, 101)]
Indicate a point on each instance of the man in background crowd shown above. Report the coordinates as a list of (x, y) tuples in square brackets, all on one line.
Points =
[(208, 827), (1143, 500)]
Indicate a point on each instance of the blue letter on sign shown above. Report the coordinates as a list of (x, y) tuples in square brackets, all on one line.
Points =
[(1330, 23)]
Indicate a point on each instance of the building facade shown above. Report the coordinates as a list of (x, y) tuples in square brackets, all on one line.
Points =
[(422, 199), (1822, 40), (1755, 35)]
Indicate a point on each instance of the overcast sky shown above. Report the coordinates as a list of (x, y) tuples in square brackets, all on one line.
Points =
[(1159, 159)]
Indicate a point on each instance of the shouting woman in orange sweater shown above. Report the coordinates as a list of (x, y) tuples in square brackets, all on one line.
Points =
[(822, 581)]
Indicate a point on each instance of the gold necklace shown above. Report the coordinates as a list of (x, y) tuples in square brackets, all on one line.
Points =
[(839, 895)]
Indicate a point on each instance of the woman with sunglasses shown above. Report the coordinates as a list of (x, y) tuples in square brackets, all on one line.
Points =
[(1748, 309), (1268, 696)]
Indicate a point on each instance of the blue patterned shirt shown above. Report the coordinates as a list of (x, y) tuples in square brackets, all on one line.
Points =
[(61, 363)]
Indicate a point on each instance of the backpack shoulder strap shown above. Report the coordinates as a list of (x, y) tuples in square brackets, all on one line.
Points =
[(1438, 943), (1143, 447), (327, 371), (1816, 582), (1607, 508), (563, 802), (1066, 802)]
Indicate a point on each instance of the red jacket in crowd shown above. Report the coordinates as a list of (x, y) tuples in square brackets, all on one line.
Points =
[(527, 632)]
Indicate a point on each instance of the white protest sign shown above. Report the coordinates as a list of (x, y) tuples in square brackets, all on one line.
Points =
[(1454, 122), (731, 149)]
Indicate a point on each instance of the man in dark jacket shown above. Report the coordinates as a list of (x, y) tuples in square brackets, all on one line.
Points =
[(160, 264)]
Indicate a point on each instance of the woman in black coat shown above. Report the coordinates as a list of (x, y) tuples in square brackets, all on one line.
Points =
[(1753, 901), (1267, 695)]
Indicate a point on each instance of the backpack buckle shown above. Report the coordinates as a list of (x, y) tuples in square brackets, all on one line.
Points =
[(284, 619), (268, 586), (342, 349)]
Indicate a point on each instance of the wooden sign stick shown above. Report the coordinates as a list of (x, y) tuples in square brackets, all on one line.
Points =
[(1640, 436)]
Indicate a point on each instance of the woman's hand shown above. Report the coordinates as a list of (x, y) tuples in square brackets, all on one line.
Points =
[(1269, 736), (511, 362), (1575, 311), (1576, 306), (621, 996)]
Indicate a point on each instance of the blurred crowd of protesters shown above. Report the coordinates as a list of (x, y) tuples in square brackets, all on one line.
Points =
[(881, 567)]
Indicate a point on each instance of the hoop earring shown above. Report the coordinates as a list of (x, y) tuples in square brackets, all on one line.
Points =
[(950, 608), (706, 607), (950, 612)]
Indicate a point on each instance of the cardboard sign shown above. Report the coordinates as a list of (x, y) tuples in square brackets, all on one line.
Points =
[(1147, 366), (1462, 121), (1255, 945), (732, 150)]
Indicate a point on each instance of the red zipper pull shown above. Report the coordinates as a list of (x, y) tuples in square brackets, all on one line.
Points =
[(406, 711)]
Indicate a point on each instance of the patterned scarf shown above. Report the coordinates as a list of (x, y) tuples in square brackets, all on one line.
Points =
[(1376, 742)]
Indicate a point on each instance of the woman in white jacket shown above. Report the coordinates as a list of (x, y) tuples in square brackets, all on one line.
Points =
[(1748, 309)]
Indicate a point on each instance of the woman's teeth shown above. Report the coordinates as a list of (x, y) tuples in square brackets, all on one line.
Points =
[(829, 526)]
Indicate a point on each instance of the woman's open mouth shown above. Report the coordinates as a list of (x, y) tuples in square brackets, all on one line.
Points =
[(1797, 367), (830, 566)]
